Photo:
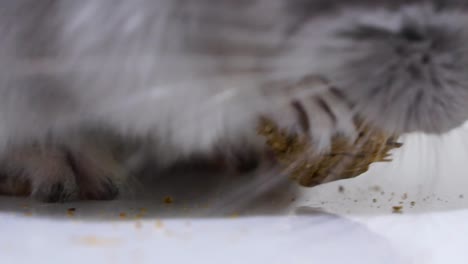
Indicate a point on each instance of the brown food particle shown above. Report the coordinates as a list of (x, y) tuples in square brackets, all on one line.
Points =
[(168, 200), (71, 212), (374, 200), (159, 224), (138, 224), (413, 203), (345, 160), (142, 213), (234, 215), (397, 209), (123, 215), (341, 189), (139, 216), (97, 241)]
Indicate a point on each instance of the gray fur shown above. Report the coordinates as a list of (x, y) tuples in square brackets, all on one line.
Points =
[(191, 75)]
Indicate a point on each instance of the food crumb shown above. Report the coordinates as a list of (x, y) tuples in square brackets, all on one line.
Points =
[(97, 241), (461, 196), (123, 215), (139, 216), (341, 189), (405, 196), (159, 224), (374, 200), (375, 188), (168, 200), (138, 224), (234, 215), (71, 212), (397, 209), (382, 193), (413, 203)]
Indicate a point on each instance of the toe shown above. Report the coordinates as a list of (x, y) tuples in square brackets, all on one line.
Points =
[(52, 193), (98, 174), (103, 190)]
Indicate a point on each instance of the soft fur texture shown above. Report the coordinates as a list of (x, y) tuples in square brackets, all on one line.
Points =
[(193, 76)]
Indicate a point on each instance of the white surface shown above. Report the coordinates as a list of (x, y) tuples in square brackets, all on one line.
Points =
[(358, 228), (435, 238)]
